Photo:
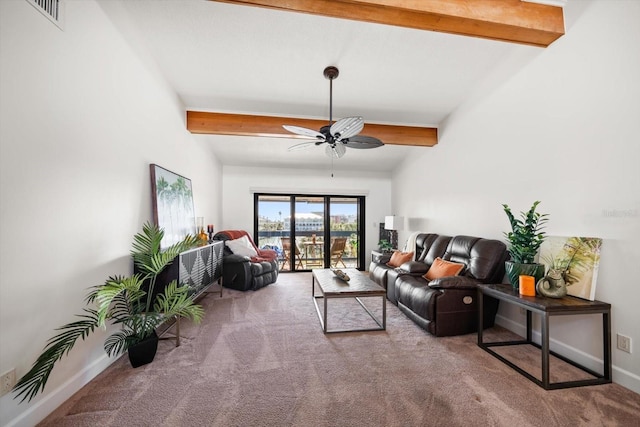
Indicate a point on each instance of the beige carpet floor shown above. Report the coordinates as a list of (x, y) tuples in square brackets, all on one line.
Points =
[(261, 359)]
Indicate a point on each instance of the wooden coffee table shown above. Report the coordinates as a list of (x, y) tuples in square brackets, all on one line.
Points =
[(358, 287)]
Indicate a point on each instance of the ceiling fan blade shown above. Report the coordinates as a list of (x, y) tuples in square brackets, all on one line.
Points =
[(304, 132), (362, 141), (347, 127), (301, 146), (335, 151)]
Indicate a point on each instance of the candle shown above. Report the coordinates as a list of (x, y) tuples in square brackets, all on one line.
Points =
[(210, 228), (527, 286)]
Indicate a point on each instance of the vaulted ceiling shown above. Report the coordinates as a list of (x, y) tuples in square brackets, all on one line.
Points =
[(408, 66)]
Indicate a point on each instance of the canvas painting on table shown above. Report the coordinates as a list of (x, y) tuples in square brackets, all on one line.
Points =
[(578, 258), (172, 205)]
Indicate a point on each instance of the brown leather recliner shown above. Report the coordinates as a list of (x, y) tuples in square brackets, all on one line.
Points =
[(448, 305)]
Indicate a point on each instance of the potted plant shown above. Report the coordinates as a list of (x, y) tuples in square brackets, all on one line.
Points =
[(385, 246), (524, 239), (127, 301)]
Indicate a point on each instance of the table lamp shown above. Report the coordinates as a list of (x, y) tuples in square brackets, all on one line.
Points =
[(393, 224)]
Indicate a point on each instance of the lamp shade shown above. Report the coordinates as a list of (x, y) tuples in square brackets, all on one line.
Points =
[(393, 222)]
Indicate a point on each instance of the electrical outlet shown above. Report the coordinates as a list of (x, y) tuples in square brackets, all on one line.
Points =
[(624, 343), (7, 381)]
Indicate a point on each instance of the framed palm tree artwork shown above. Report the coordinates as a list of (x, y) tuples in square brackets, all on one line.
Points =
[(173, 209), (577, 259)]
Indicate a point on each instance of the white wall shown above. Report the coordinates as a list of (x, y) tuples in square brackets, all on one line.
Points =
[(563, 130), (81, 119), (239, 182)]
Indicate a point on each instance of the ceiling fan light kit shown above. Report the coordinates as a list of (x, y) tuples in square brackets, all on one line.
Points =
[(339, 135)]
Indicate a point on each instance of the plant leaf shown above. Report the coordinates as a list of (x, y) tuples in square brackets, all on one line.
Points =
[(34, 381)]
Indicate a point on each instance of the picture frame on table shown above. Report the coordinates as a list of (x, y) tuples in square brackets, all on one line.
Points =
[(578, 258)]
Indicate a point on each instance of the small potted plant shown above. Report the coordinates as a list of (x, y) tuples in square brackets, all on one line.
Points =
[(385, 246), (524, 239), (128, 301)]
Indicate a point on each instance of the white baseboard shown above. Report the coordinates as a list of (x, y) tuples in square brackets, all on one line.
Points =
[(620, 376), (45, 404)]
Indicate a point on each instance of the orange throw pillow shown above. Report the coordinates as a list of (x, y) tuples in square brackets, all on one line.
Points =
[(398, 258), (441, 268)]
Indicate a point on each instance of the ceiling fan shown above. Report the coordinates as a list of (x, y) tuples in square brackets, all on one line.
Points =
[(338, 135)]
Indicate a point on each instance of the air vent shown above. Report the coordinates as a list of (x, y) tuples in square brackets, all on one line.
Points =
[(52, 9)]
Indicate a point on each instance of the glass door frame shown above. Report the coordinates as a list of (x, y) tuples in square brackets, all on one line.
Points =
[(360, 202)]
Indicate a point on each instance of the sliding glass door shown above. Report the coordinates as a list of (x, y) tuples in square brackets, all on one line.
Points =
[(344, 232), (311, 231)]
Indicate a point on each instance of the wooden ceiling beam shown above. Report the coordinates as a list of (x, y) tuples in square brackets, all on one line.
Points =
[(200, 122), (512, 21)]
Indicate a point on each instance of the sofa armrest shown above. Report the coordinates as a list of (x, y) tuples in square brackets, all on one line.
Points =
[(414, 267), (454, 282), (234, 259), (269, 254)]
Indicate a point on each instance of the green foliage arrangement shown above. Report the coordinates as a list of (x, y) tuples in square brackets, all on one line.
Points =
[(385, 245), (526, 234), (126, 301)]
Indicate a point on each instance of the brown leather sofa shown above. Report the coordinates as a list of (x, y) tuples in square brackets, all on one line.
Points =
[(448, 305)]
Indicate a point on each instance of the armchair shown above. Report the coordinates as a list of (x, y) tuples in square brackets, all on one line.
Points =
[(243, 272)]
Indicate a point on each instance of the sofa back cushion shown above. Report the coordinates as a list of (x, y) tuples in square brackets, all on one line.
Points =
[(423, 243), (484, 258), (430, 247)]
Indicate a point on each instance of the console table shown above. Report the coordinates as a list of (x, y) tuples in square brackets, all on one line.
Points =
[(547, 307), (199, 269)]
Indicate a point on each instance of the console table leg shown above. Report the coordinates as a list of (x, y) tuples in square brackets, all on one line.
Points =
[(480, 316), (177, 331), (545, 350), (606, 337)]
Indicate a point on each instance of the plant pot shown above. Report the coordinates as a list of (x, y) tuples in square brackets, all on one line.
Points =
[(515, 269), (144, 351)]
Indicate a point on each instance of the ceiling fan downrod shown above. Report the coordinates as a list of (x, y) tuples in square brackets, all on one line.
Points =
[(331, 73)]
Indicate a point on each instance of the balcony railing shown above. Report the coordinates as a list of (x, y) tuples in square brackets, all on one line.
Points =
[(311, 255)]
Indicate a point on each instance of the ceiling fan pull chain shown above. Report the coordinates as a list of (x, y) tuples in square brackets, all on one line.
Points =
[(331, 166)]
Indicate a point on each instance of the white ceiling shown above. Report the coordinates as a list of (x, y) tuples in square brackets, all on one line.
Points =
[(228, 58)]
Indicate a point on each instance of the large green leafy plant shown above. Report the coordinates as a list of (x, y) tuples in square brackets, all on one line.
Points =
[(127, 301), (526, 234)]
